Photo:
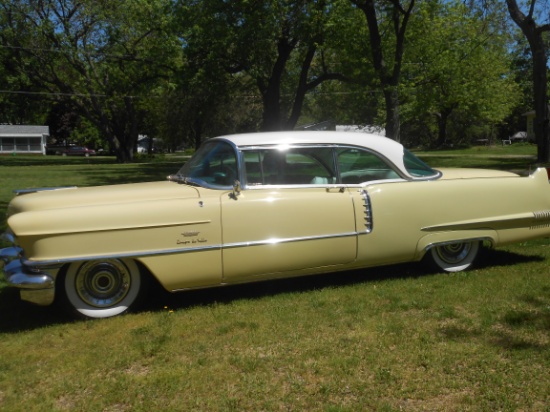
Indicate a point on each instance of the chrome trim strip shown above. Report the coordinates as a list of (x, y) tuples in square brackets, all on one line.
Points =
[(59, 262), (301, 186), (122, 228), (368, 211), (198, 182), (279, 146), (19, 192), (276, 241)]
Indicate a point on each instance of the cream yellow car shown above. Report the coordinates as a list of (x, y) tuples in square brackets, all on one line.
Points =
[(261, 206)]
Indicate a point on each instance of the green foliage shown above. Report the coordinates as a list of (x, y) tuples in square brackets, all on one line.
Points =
[(102, 56), (184, 71), (458, 72)]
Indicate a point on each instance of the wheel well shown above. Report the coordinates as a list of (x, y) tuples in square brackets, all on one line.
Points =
[(484, 242), (59, 283), (429, 242)]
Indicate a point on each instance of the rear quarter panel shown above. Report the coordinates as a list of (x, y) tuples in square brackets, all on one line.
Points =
[(409, 216)]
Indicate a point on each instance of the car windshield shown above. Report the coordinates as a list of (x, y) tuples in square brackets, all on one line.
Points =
[(214, 164), (417, 167)]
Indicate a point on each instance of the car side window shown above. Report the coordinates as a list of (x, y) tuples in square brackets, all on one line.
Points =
[(214, 163), (358, 166), (293, 166)]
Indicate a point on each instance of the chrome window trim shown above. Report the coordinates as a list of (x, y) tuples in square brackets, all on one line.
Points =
[(327, 186), (402, 174), (241, 166), (205, 185)]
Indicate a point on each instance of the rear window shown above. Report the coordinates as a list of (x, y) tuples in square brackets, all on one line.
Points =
[(416, 167)]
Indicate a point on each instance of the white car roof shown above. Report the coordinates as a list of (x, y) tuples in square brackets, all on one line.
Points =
[(388, 148)]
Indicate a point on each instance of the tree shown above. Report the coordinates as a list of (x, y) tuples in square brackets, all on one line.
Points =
[(279, 45), (534, 35), (21, 100), (104, 56), (387, 60), (458, 66), (356, 100)]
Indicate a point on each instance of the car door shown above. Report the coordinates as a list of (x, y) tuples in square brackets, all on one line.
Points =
[(291, 216)]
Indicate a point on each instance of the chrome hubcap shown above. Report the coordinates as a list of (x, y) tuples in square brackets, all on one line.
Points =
[(453, 253), (103, 284)]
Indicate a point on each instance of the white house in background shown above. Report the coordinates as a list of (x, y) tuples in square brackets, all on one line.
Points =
[(23, 139), (143, 143)]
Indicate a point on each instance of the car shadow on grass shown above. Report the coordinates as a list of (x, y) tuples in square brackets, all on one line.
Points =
[(17, 316), (495, 257), (159, 299)]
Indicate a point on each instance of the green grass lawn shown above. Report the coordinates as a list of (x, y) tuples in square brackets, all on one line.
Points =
[(397, 338)]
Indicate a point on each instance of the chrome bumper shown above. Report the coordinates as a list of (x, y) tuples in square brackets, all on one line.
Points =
[(36, 285)]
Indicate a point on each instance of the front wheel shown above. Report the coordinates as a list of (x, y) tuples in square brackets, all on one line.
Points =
[(454, 257), (102, 288)]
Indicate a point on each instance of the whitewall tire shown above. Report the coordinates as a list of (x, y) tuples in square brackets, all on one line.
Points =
[(454, 257), (102, 288)]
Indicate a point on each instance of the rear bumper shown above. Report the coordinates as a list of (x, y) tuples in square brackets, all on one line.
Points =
[(36, 285)]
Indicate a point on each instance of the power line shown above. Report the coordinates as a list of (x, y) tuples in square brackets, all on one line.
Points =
[(64, 94), (77, 51), (53, 93)]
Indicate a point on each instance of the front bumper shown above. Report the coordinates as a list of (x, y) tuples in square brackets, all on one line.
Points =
[(36, 285)]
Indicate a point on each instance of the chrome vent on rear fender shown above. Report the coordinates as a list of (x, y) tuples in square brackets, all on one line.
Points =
[(542, 217), (367, 212)]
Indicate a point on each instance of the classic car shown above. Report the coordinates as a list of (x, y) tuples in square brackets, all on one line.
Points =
[(261, 206), (78, 151)]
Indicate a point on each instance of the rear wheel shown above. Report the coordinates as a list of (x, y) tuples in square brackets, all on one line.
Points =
[(102, 288), (454, 257)]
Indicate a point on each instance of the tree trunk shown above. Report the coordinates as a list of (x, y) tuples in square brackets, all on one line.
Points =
[(389, 76), (442, 120), (533, 33), (393, 121), (541, 101), (271, 91)]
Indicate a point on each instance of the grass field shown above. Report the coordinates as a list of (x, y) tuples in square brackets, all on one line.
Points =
[(397, 338)]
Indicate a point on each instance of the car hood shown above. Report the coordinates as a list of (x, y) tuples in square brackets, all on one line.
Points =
[(76, 197), (464, 173), (101, 208)]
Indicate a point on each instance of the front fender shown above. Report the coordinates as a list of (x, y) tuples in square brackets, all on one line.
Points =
[(115, 230)]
